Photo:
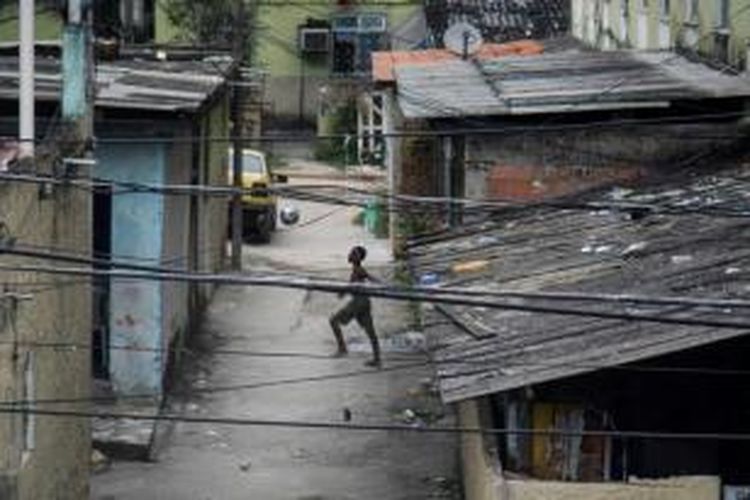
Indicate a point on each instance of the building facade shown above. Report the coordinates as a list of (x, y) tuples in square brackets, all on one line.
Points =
[(127, 20), (313, 55), (647, 106), (44, 456), (150, 134), (176, 232), (717, 31), (598, 399)]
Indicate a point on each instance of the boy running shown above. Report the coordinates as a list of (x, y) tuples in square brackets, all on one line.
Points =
[(358, 308)]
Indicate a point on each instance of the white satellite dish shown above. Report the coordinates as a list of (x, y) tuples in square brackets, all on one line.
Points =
[(462, 38)]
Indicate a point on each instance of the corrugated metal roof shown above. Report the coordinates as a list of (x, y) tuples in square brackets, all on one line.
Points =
[(178, 86), (559, 83), (599, 252)]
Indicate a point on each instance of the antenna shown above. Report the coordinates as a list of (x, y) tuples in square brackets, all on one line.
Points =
[(463, 38)]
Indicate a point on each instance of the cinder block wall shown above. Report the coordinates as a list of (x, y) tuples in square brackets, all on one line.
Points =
[(54, 462)]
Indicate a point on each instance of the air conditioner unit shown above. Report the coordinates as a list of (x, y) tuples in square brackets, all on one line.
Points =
[(736, 492), (314, 40)]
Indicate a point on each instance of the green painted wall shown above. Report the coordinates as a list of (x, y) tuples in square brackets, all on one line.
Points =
[(275, 36), (164, 30), (48, 24)]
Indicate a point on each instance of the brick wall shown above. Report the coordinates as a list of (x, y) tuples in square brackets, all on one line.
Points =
[(554, 163), (534, 182)]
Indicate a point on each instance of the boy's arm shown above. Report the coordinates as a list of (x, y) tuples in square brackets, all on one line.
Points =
[(371, 278)]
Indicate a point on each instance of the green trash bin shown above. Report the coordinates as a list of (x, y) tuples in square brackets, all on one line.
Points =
[(371, 216)]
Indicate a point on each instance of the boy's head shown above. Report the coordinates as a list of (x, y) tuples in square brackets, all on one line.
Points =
[(357, 254)]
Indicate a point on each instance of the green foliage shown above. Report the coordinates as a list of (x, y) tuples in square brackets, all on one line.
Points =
[(340, 152), (202, 21), (411, 224)]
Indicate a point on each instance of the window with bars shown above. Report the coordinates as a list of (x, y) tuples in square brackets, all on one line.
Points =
[(355, 38)]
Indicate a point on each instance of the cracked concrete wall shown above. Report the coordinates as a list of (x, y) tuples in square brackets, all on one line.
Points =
[(45, 457), (137, 232), (687, 488), (483, 478)]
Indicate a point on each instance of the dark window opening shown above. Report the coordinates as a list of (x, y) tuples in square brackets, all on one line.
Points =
[(102, 249), (355, 38)]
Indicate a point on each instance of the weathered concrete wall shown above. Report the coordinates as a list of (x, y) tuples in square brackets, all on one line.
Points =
[(483, 478), (137, 232), (688, 488), (294, 99), (176, 248), (157, 229), (45, 457), (212, 210), (537, 165), (480, 477)]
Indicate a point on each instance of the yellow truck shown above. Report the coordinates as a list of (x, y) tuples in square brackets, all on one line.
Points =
[(259, 209)]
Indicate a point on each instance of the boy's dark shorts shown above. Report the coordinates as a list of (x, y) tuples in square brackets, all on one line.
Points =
[(357, 309)]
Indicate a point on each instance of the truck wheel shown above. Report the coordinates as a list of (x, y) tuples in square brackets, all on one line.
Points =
[(264, 234), (274, 216)]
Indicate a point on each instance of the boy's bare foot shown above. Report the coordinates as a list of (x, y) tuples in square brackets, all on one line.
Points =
[(340, 353), (375, 363)]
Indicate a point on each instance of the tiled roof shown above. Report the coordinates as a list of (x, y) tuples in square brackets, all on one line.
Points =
[(383, 63)]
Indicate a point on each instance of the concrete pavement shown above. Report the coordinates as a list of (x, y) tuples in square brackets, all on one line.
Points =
[(201, 461)]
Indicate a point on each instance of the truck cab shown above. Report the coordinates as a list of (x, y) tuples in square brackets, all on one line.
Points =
[(259, 209)]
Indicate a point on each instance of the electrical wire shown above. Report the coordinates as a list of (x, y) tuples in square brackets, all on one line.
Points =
[(412, 294), (403, 203), (19, 249), (483, 129), (380, 427), (396, 367)]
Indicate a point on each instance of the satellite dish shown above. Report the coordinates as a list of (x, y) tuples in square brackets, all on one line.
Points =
[(462, 38)]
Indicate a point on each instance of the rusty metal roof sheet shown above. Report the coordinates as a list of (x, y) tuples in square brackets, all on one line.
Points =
[(599, 251), (383, 63), (564, 82), (173, 86)]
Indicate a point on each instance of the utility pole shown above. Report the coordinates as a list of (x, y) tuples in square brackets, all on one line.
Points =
[(77, 68), (26, 83), (238, 52)]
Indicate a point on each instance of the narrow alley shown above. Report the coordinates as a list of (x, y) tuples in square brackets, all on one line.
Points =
[(278, 339)]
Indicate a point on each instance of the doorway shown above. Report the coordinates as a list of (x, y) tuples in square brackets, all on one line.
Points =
[(102, 252)]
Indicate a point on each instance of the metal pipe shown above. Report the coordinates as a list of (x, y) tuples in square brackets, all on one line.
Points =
[(26, 72)]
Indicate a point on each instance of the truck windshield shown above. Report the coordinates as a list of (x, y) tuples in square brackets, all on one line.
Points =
[(252, 164)]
